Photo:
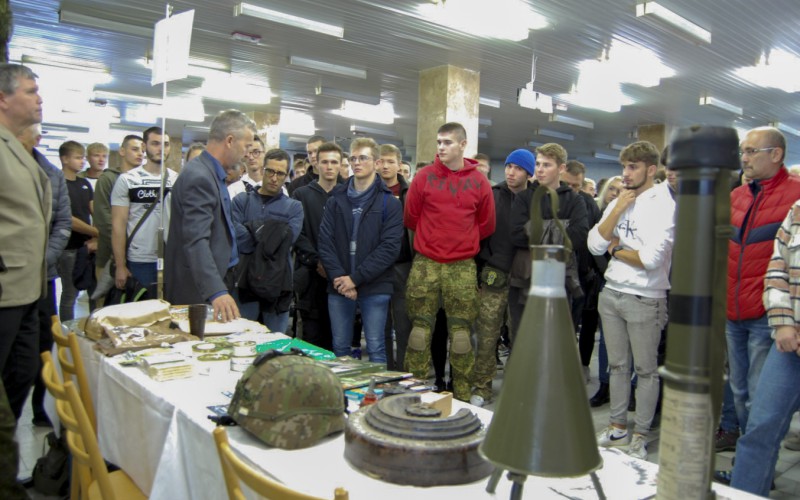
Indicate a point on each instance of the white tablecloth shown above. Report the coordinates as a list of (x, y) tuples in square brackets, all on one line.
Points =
[(160, 434)]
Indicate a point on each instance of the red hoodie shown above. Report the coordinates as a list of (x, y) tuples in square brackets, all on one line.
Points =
[(450, 212)]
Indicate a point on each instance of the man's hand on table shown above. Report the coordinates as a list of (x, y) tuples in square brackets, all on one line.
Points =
[(225, 308)]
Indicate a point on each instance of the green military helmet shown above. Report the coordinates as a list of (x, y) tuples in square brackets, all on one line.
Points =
[(288, 401)]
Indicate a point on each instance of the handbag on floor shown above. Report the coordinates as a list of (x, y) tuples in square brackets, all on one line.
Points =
[(51, 472)]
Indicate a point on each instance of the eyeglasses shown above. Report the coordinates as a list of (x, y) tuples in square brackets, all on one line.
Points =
[(274, 173), (360, 158), (752, 151), (255, 153)]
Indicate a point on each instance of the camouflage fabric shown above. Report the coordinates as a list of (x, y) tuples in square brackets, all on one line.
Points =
[(9, 454), (453, 285), (288, 401), (492, 304)]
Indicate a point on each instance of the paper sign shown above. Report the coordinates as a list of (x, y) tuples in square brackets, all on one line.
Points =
[(171, 43)]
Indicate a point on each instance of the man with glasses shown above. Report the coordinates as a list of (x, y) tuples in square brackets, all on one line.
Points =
[(450, 208), (250, 211), (757, 210), (359, 241), (254, 171)]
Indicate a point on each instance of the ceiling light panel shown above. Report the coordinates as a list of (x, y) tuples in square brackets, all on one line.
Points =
[(382, 113), (336, 69), (250, 10), (67, 16), (720, 104), (655, 9), (571, 121), (555, 134), (492, 103)]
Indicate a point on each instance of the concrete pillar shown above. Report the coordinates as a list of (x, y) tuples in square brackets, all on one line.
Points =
[(268, 127), (657, 134), (447, 94)]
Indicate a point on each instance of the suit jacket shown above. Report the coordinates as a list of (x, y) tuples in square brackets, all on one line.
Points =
[(26, 198), (199, 245)]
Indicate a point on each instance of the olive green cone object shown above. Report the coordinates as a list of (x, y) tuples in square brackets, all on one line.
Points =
[(542, 425)]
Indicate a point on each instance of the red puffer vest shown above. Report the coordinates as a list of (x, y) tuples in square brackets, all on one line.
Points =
[(757, 211)]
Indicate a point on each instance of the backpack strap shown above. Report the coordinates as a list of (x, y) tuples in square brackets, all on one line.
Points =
[(537, 221)]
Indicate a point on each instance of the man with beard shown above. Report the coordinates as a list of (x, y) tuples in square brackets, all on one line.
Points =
[(134, 193), (638, 230)]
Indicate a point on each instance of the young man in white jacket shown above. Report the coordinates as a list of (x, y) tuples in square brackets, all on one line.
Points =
[(637, 230)]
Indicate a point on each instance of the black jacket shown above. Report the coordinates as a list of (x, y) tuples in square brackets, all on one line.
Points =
[(304, 180), (406, 250), (570, 207), (497, 250)]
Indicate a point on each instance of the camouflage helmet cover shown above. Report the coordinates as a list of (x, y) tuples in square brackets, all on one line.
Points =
[(288, 402)]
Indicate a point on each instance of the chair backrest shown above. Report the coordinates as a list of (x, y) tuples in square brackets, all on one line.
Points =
[(234, 469), (81, 437), (69, 357)]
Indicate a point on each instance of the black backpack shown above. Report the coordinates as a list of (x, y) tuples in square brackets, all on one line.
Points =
[(51, 472), (267, 274)]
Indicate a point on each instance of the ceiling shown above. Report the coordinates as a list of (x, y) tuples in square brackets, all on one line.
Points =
[(393, 44)]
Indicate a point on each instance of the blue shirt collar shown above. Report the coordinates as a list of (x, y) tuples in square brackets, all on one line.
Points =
[(221, 174)]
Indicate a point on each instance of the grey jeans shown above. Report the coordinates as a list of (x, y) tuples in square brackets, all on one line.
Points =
[(632, 324)]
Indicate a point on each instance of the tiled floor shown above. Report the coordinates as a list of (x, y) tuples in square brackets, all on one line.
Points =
[(787, 480)]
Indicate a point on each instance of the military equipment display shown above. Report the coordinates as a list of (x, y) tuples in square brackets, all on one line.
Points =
[(540, 427), (288, 401), (704, 157), (402, 441)]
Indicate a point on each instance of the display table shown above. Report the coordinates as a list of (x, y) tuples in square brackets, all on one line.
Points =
[(159, 433)]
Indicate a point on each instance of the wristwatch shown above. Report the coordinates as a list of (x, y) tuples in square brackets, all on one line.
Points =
[(615, 250)]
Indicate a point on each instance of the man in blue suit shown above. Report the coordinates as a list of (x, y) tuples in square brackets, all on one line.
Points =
[(201, 248)]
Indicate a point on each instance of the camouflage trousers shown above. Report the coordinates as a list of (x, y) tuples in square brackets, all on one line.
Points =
[(492, 303), (453, 286)]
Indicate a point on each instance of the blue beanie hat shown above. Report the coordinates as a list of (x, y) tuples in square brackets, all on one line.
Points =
[(523, 158)]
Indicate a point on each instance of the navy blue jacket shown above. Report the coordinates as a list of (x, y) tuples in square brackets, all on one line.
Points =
[(377, 245)]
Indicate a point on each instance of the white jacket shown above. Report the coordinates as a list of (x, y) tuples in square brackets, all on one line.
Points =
[(648, 226)]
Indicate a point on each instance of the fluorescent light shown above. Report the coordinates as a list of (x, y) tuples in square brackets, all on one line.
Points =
[(67, 63), (616, 147), (602, 156), (350, 96), (294, 138), (504, 19), (554, 133), (571, 121), (358, 129), (492, 103), (382, 113), (483, 135), (68, 17), (485, 122), (785, 128), (717, 103), (657, 10), (535, 144), (247, 9), (302, 62)]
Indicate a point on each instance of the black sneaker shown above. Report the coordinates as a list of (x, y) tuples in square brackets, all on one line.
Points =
[(601, 396), (725, 440), (440, 385)]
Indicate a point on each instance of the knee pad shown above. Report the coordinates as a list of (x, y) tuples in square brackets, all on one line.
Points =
[(416, 339), (460, 343)]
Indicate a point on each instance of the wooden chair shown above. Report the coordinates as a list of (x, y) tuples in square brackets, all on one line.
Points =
[(69, 357), (87, 461), (234, 469)]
